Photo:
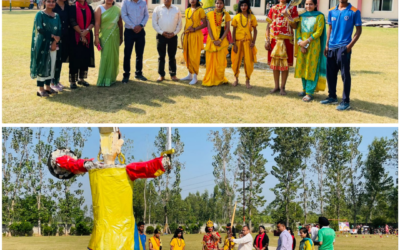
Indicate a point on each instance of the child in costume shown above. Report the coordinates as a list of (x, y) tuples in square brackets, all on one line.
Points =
[(218, 23), (244, 43), (193, 39), (282, 22)]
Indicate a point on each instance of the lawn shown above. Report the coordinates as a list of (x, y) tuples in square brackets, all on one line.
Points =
[(193, 242), (374, 93)]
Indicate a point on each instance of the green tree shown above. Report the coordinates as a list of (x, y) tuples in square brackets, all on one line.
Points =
[(15, 162), (377, 180), (337, 169), (356, 186), (252, 141), (223, 144), (291, 147), (167, 184)]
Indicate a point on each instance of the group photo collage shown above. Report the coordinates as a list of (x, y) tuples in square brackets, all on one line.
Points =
[(200, 124)]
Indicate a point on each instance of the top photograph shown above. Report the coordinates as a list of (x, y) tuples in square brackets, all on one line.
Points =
[(200, 61)]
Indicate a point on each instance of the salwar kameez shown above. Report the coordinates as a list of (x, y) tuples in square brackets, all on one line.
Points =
[(81, 56), (193, 41), (109, 42), (216, 55), (64, 41), (244, 38), (311, 67), (43, 60), (280, 57)]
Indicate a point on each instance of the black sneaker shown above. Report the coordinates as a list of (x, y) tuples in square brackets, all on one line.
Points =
[(73, 86), (125, 80), (84, 83), (141, 77)]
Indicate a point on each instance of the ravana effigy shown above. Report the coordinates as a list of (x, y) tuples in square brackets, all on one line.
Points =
[(112, 188)]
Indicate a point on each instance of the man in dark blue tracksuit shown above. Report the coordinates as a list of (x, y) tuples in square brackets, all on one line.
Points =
[(341, 20)]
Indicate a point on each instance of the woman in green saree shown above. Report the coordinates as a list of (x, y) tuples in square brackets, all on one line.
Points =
[(310, 47), (45, 53), (108, 38)]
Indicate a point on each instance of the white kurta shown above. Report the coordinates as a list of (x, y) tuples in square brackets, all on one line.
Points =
[(245, 243)]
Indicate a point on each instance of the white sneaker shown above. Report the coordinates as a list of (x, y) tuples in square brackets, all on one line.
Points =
[(187, 78), (194, 80)]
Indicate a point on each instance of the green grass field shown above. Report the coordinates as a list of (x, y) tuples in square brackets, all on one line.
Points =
[(193, 242), (374, 88)]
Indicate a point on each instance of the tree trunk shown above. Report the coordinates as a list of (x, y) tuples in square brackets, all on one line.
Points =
[(145, 203)]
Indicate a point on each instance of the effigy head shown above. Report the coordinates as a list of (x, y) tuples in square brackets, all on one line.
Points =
[(55, 169), (110, 145)]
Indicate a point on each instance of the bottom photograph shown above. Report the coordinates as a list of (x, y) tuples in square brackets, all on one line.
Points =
[(208, 188)]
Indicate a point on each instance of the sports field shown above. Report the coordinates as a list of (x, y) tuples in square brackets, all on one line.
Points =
[(193, 242), (374, 88)]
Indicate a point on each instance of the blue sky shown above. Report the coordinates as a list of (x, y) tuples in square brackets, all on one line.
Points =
[(197, 175)]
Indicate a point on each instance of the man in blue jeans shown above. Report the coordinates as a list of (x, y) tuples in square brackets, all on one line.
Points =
[(341, 20)]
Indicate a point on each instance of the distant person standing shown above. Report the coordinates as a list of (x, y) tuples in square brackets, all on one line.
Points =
[(289, 229), (246, 242), (314, 232), (142, 236), (135, 15), (306, 243), (261, 241), (167, 22), (285, 241), (326, 235), (341, 20)]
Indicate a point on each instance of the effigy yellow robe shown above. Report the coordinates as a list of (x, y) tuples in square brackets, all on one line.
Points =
[(193, 41), (216, 55), (244, 38)]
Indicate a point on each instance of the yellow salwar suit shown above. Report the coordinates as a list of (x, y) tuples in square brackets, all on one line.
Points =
[(155, 242), (226, 243), (216, 55), (193, 41), (244, 38)]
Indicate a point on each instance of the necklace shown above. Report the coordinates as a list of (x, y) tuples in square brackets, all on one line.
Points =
[(215, 19), (242, 22), (157, 242), (179, 242), (190, 17)]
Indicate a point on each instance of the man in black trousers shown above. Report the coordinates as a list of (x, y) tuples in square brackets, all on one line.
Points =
[(167, 21), (135, 15)]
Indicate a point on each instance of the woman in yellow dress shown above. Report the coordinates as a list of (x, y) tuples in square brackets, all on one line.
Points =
[(193, 39), (244, 43), (177, 242), (218, 24)]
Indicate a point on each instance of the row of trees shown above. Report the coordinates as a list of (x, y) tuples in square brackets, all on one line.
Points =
[(320, 171)]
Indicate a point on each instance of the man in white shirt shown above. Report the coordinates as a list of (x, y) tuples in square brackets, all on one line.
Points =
[(167, 21), (314, 232), (246, 242), (285, 241)]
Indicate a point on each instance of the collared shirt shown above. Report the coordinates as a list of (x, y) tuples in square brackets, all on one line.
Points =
[(245, 243), (285, 241), (327, 236), (343, 22), (314, 233), (134, 13), (143, 240), (167, 19)]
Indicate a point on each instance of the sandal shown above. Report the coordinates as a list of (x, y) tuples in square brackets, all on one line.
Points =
[(302, 94), (308, 98), (42, 94)]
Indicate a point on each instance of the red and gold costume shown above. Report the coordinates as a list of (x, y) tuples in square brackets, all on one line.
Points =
[(281, 55), (209, 240)]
